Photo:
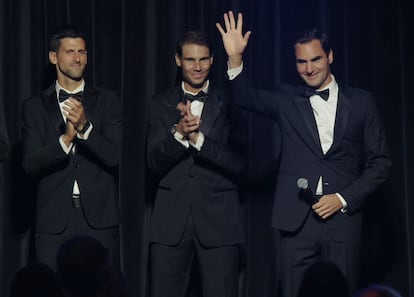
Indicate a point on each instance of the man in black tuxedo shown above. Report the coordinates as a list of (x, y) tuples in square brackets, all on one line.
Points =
[(334, 139), (71, 145), (191, 152)]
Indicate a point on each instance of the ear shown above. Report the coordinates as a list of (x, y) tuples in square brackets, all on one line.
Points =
[(330, 57), (177, 60), (53, 57)]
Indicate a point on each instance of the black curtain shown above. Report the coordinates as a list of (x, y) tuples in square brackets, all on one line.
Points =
[(131, 46)]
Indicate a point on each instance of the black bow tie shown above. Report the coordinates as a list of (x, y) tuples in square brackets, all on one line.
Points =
[(65, 95), (324, 93), (201, 96)]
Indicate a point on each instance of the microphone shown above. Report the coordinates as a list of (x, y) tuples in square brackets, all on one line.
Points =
[(305, 192)]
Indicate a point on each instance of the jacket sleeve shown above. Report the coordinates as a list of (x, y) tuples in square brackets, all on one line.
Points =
[(377, 159)]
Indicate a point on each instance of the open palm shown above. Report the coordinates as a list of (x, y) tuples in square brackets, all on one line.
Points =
[(233, 39)]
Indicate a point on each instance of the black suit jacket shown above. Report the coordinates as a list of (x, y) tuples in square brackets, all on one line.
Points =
[(205, 181), (355, 165), (94, 165)]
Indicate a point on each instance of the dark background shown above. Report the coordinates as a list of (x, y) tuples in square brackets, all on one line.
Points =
[(131, 46)]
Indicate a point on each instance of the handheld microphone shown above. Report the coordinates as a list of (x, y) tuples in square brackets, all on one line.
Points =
[(305, 192)]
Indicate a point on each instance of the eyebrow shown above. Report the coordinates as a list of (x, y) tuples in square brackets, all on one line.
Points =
[(311, 60), (192, 58)]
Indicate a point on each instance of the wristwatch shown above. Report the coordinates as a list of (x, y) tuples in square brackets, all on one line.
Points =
[(176, 134), (174, 129), (85, 127)]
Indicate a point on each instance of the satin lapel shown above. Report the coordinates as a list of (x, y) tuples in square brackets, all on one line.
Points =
[(172, 115), (89, 101), (343, 112), (306, 112), (52, 108), (211, 110)]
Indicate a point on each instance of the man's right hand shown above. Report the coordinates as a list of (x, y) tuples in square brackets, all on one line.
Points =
[(70, 133), (188, 123), (233, 40)]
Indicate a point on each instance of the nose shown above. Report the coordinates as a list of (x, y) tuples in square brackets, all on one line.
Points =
[(309, 67), (77, 56), (197, 65)]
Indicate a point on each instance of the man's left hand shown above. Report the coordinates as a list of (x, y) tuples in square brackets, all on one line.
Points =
[(75, 113), (327, 206)]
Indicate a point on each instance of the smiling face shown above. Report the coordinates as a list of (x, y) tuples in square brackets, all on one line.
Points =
[(195, 63), (70, 60), (313, 64)]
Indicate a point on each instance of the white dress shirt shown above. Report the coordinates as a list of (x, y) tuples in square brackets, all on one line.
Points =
[(71, 148), (197, 110)]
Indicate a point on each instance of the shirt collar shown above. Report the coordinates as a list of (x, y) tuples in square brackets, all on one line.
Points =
[(205, 89), (81, 87), (332, 86)]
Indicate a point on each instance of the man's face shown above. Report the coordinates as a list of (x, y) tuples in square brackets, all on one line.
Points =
[(313, 65), (195, 64), (70, 59)]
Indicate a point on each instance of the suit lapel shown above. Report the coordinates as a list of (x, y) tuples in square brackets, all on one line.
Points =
[(211, 110), (89, 101), (305, 110), (343, 112), (171, 114), (52, 108)]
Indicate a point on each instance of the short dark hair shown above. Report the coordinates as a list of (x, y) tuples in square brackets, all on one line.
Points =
[(307, 36), (63, 32), (193, 37)]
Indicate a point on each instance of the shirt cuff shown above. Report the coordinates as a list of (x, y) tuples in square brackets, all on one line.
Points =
[(181, 139), (234, 72), (200, 142), (85, 135), (344, 204), (66, 149)]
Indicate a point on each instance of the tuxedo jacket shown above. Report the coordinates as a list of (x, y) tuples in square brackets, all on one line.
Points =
[(203, 182), (94, 164), (355, 165)]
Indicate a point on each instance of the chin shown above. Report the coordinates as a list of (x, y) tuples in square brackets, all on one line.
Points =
[(197, 85)]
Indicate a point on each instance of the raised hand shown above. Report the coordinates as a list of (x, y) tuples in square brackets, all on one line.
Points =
[(233, 39)]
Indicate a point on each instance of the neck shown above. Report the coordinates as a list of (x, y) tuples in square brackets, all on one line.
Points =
[(69, 84), (193, 89)]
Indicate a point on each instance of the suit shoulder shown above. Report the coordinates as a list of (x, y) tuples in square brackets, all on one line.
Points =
[(166, 93), (221, 93), (358, 96), (34, 100), (103, 92), (166, 98), (354, 91)]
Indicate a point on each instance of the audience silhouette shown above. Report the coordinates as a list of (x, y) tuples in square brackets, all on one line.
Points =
[(323, 279), (84, 267), (377, 290), (34, 280)]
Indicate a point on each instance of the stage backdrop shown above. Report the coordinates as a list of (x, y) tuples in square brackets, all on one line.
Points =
[(131, 46)]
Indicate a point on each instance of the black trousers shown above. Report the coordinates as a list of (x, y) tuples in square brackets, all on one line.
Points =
[(312, 243), (47, 244), (171, 267)]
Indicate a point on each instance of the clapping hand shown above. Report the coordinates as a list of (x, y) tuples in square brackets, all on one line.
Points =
[(189, 124)]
